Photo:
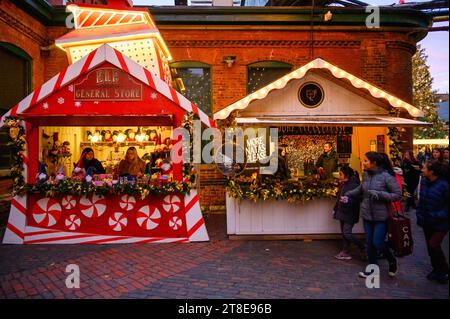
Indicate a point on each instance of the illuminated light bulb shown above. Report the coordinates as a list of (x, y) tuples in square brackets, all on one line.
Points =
[(140, 138), (94, 138), (358, 82), (279, 83), (121, 137), (334, 69)]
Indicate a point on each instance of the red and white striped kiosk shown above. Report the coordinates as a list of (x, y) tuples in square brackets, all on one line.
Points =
[(118, 76)]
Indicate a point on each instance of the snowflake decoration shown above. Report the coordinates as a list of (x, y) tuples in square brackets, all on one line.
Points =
[(77, 104), (45, 106), (154, 96), (71, 88), (95, 102), (61, 100)]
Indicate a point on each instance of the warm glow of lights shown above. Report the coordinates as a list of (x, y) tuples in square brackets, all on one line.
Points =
[(140, 137), (121, 138), (318, 63)]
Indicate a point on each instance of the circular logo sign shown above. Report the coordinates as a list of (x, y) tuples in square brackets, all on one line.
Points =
[(310, 94), (230, 159)]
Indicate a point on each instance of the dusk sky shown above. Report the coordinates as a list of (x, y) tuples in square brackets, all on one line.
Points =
[(436, 45)]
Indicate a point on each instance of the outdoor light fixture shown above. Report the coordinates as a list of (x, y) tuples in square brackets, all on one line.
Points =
[(229, 60)]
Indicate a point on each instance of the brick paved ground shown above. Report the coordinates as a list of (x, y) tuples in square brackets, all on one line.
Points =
[(218, 269)]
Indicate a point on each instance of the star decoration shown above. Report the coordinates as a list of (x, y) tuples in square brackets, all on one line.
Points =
[(77, 104)]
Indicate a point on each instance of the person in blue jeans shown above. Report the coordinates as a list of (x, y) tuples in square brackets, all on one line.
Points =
[(378, 189)]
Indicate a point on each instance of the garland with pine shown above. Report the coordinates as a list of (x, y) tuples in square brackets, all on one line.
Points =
[(267, 188), (395, 144), (79, 188), (17, 145)]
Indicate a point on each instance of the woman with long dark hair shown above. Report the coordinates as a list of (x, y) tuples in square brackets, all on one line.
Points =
[(88, 162), (378, 189), (437, 154), (432, 215)]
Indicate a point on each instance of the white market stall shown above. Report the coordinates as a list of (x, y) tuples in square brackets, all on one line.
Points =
[(316, 103)]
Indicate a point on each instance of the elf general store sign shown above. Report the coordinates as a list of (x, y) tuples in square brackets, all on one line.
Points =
[(108, 84)]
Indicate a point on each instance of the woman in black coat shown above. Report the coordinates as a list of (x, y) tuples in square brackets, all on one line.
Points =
[(411, 174), (348, 213)]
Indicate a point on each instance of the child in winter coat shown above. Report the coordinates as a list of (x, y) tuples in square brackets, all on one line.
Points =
[(347, 212)]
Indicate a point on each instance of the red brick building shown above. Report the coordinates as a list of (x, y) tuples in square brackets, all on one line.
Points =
[(230, 51)]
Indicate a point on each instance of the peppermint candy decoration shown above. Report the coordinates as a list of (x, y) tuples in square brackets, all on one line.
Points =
[(92, 207), (118, 221), (127, 202), (68, 202), (46, 212), (171, 203), (73, 222), (148, 217), (175, 223)]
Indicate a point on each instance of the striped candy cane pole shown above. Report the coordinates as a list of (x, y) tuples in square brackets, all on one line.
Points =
[(195, 223), (17, 221)]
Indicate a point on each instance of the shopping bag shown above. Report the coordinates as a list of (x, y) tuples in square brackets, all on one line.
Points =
[(399, 231)]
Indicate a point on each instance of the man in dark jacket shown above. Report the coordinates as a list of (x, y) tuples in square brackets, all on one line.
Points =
[(327, 162), (432, 215)]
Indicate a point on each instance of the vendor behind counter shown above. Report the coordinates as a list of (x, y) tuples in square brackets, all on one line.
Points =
[(327, 162)]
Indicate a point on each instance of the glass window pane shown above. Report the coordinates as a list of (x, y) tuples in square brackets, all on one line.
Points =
[(197, 82), (259, 77)]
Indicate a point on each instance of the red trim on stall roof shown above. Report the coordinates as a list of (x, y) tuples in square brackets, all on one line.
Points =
[(19, 207), (194, 228), (16, 231), (191, 203)]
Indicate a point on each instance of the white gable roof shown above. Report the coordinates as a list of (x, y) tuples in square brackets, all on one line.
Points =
[(301, 72)]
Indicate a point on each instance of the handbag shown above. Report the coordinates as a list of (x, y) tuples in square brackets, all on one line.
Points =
[(399, 231)]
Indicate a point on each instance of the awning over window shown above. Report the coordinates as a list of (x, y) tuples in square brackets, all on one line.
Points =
[(330, 121)]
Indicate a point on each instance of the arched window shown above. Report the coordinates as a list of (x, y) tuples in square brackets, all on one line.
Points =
[(196, 83), (260, 74), (15, 84)]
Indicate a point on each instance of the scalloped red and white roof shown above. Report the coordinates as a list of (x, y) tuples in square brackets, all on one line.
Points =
[(90, 61), (301, 72)]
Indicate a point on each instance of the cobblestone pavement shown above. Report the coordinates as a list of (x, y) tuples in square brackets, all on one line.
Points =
[(217, 269)]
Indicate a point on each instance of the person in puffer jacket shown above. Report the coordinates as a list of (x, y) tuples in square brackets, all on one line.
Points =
[(378, 189), (432, 215)]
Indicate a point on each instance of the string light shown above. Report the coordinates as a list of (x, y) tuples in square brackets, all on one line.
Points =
[(319, 63)]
